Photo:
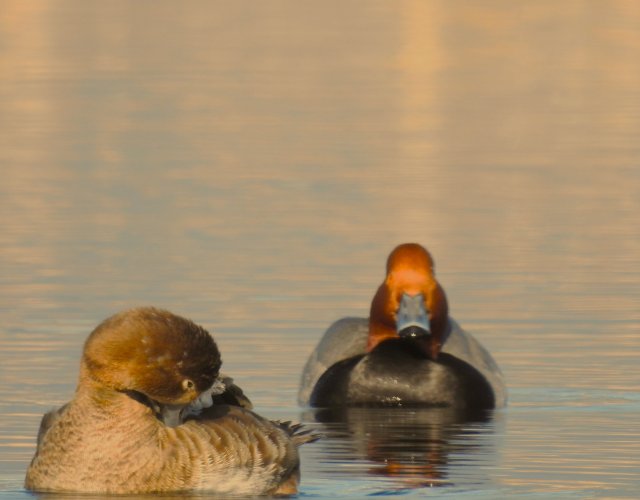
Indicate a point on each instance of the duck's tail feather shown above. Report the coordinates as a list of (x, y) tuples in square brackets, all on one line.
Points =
[(299, 434)]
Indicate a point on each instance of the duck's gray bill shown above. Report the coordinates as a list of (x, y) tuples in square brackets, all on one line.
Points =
[(412, 318)]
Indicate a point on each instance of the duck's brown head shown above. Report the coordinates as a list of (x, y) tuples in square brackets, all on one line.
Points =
[(410, 302), (167, 358)]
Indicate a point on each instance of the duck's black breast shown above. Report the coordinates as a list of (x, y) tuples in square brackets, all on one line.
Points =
[(396, 374)]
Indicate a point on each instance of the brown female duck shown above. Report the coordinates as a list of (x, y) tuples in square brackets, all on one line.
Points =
[(140, 369)]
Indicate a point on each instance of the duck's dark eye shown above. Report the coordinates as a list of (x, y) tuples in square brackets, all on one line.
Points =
[(187, 384)]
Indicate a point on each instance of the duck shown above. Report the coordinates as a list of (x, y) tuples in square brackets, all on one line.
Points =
[(408, 352), (152, 414)]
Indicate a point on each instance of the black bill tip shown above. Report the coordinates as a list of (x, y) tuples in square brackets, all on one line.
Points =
[(414, 332)]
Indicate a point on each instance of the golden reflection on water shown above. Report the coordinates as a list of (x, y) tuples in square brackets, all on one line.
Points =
[(251, 165)]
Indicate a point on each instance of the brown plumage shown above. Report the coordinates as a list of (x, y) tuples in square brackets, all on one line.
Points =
[(111, 437)]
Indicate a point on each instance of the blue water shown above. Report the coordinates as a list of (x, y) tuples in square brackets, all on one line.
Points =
[(251, 164)]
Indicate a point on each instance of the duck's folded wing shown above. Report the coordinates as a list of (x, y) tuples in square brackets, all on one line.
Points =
[(228, 449), (465, 347), (344, 339)]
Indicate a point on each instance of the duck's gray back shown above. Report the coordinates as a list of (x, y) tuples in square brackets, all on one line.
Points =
[(347, 337), (465, 347), (344, 339)]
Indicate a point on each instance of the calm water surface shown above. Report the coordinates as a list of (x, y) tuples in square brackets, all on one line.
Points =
[(251, 164)]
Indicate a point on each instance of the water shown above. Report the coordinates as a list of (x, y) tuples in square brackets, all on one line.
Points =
[(251, 164)]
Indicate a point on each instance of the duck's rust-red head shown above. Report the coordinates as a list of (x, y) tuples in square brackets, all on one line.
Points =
[(410, 303)]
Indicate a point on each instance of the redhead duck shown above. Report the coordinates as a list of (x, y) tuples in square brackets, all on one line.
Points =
[(408, 352), (152, 414)]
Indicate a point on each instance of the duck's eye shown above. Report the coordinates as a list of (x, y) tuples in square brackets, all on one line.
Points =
[(187, 384)]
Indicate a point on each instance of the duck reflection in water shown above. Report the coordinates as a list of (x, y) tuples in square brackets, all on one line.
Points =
[(410, 446)]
